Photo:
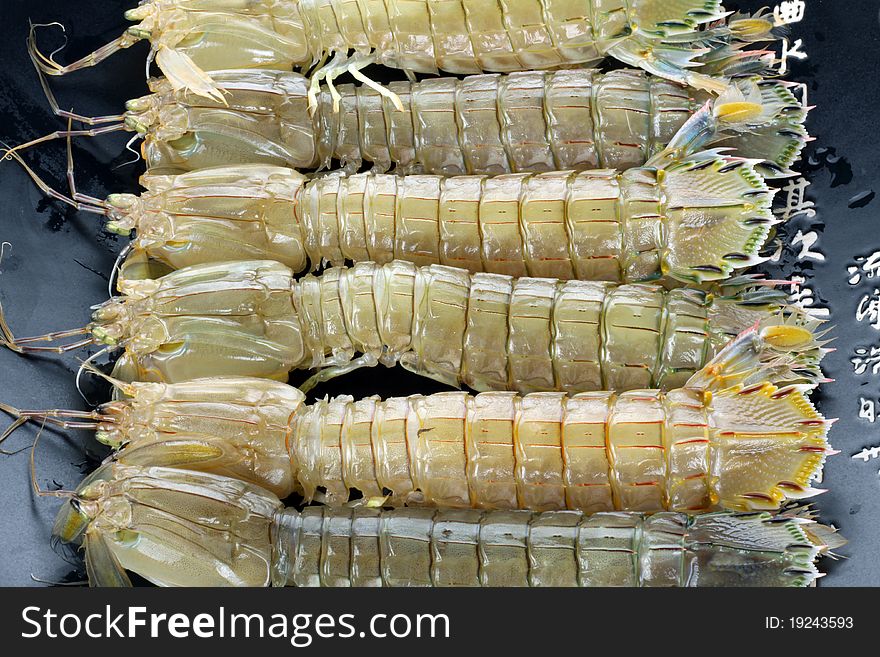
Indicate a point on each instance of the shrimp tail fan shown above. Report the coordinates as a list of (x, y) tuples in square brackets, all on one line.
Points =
[(775, 134), (690, 41), (718, 216), (767, 442), (735, 308), (826, 537), (729, 45), (767, 446), (758, 119), (764, 550), (783, 349)]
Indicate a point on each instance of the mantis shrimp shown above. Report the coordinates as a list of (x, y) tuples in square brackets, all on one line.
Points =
[(700, 219), (691, 449), (152, 521), (690, 218), (484, 124), (682, 40), (486, 331)]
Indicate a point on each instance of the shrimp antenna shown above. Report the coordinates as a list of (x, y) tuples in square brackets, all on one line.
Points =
[(37, 60), (11, 429), (117, 269), (69, 494), (62, 134), (24, 345), (127, 388), (81, 202), (61, 418), (49, 66), (137, 155), (86, 366), (71, 181), (54, 417)]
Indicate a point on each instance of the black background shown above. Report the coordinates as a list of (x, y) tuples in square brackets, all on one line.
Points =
[(500, 621), (59, 260)]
